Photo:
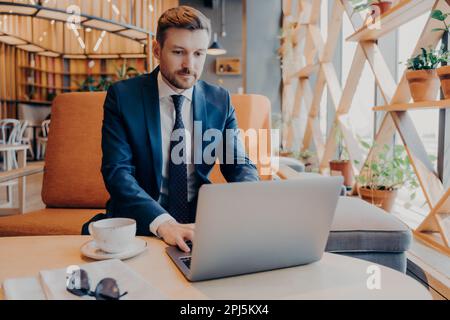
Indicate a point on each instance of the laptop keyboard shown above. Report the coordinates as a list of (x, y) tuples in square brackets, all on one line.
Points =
[(186, 261)]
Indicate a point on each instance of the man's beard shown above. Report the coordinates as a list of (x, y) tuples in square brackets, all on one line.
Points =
[(179, 84)]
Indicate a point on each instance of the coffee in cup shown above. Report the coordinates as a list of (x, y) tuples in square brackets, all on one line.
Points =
[(113, 235)]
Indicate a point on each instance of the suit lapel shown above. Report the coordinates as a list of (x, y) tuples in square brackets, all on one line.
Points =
[(153, 120), (200, 116)]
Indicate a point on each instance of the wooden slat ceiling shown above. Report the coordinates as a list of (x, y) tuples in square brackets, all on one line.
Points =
[(127, 22)]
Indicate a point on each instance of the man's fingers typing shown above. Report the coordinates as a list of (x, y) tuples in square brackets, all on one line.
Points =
[(182, 245)]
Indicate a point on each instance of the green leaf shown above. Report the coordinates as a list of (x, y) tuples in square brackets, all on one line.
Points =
[(365, 144), (438, 15)]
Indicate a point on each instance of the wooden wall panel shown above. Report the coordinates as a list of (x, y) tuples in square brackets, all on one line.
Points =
[(7, 80)]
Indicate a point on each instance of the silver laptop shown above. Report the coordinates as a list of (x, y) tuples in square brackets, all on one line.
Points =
[(258, 226)]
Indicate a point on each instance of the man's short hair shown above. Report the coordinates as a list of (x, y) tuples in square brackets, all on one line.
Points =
[(182, 17)]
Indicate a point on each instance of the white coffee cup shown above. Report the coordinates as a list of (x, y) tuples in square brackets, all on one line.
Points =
[(113, 235)]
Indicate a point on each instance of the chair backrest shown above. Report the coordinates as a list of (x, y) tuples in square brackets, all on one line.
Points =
[(45, 128), (10, 130), (253, 112), (72, 177), (21, 132)]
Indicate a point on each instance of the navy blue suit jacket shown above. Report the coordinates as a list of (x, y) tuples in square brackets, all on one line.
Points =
[(131, 144)]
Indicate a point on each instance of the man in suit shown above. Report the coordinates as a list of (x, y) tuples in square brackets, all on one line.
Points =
[(149, 127)]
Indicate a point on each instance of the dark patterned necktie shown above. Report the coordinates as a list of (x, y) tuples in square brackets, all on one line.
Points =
[(178, 192)]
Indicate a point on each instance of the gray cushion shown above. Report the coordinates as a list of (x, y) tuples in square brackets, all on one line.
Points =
[(393, 260), (361, 227), (294, 164)]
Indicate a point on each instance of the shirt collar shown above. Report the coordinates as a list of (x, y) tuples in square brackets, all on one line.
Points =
[(166, 91)]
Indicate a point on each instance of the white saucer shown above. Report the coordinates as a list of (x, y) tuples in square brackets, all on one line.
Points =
[(91, 250)]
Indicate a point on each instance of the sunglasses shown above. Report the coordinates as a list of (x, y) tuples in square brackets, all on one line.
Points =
[(79, 285)]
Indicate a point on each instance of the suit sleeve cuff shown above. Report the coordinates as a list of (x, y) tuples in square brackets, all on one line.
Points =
[(159, 221)]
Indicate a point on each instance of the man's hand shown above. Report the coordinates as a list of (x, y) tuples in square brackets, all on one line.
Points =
[(175, 234)]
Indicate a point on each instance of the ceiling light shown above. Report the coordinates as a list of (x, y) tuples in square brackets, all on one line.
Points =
[(216, 48)]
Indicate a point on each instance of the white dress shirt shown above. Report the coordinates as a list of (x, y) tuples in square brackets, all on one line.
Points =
[(168, 114)]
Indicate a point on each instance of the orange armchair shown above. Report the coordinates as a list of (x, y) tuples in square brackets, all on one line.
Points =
[(73, 188), (253, 112)]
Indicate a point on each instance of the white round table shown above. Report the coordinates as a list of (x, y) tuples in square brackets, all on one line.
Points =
[(333, 277)]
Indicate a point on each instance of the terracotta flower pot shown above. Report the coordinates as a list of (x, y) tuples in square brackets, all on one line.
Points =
[(383, 7), (286, 154), (444, 76), (380, 198), (424, 84), (344, 169)]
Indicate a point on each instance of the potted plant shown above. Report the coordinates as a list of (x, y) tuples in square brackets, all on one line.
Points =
[(286, 153), (51, 95), (342, 164), (125, 72), (444, 71), (421, 75), (87, 85), (361, 5), (307, 158), (384, 174)]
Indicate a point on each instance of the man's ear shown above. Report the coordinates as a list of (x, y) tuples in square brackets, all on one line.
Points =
[(156, 49)]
